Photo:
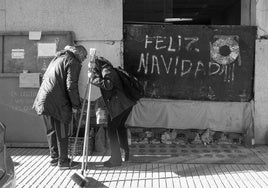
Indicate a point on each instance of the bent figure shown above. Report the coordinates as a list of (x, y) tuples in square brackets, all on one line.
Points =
[(58, 97), (119, 106)]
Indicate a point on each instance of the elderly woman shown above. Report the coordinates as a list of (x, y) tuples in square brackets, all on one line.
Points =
[(57, 98), (104, 76)]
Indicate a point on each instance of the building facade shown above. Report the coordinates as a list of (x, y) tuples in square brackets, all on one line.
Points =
[(100, 24)]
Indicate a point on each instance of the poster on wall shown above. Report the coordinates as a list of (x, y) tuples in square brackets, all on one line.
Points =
[(46, 49), (211, 63), (17, 54)]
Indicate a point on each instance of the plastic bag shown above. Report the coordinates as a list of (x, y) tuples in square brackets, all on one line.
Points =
[(101, 111), (100, 140)]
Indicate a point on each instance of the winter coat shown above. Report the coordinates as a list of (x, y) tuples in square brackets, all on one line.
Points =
[(106, 78), (58, 93)]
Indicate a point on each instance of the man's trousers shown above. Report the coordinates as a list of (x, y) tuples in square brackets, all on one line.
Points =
[(57, 137)]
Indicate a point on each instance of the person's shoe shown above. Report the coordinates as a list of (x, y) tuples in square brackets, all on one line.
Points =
[(125, 154), (111, 163), (67, 165), (54, 162)]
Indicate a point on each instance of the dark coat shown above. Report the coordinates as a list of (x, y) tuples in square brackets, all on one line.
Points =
[(106, 78), (58, 93)]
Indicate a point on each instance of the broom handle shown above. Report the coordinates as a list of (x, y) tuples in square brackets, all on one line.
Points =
[(80, 120), (85, 147), (88, 136)]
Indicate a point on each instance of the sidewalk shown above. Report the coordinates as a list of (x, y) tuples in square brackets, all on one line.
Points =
[(32, 170)]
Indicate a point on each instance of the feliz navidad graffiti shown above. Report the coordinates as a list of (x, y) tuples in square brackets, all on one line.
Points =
[(224, 53)]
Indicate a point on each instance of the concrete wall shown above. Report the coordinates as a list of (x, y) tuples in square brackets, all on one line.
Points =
[(96, 24), (89, 19), (262, 17), (255, 13), (261, 91), (261, 72), (248, 12)]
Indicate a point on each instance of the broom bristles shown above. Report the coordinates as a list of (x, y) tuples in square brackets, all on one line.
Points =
[(79, 179)]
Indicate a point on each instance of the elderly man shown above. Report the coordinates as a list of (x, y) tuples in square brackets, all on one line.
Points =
[(57, 98)]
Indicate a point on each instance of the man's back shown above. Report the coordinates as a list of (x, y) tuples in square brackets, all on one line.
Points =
[(54, 95)]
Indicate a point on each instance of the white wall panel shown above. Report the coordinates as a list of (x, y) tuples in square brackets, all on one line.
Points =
[(2, 19), (89, 19), (2, 4), (2, 15), (262, 17), (261, 91)]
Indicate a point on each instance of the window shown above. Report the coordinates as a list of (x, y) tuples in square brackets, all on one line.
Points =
[(191, 12)]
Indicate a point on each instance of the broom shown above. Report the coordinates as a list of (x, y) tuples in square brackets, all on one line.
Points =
[(79, 179)]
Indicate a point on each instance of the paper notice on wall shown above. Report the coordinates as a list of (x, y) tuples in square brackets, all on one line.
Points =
[(35, 35), (29, 80), (17, 53), (46, 49)]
